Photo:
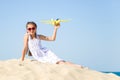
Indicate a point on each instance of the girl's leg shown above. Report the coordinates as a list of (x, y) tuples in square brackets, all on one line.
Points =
[(72, 64), (60, 62), (69, 63)]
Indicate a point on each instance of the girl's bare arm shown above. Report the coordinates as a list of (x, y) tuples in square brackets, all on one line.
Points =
[(25, 48), (50, 38)]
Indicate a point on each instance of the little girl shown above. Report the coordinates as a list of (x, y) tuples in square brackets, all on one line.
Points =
[(32, 41)]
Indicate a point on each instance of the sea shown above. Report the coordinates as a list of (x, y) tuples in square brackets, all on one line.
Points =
[(116, 73)]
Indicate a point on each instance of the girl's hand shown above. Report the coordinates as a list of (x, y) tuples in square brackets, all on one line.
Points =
[(21, 63), (57, 26)]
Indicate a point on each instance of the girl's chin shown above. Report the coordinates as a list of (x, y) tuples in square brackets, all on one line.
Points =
[(31, 33)]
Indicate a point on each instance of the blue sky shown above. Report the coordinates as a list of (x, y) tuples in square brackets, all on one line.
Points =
[(91, 38)]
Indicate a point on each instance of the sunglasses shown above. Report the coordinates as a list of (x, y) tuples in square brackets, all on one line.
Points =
[(31, 29)]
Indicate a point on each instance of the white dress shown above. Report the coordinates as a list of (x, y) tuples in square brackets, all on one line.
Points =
[(40, 53)]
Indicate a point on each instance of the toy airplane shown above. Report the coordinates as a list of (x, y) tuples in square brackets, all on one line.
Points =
[(54, 22)]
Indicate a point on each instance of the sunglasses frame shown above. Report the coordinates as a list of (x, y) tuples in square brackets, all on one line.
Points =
[(29, 29)]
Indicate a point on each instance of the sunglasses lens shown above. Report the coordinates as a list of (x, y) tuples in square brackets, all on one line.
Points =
[(31, 29)]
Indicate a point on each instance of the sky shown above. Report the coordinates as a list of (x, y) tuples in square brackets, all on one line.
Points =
[(91, 38)]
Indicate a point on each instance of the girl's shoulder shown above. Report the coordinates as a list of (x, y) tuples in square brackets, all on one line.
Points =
[(38, 36), (42, 37), (26, 35)]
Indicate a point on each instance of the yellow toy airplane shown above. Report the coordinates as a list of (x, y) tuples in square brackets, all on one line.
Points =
[(54, 22)]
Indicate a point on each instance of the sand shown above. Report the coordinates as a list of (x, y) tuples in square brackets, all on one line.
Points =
[(33, 70)]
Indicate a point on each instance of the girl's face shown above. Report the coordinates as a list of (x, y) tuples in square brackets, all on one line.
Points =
[(31, 29)]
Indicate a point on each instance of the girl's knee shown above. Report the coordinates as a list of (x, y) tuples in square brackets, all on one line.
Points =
[(60, 62)]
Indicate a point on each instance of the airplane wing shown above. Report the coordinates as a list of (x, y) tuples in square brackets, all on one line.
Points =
[(46, 21), (64, 20)]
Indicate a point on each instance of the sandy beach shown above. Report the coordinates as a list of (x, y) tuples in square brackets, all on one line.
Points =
[(14, 69)]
